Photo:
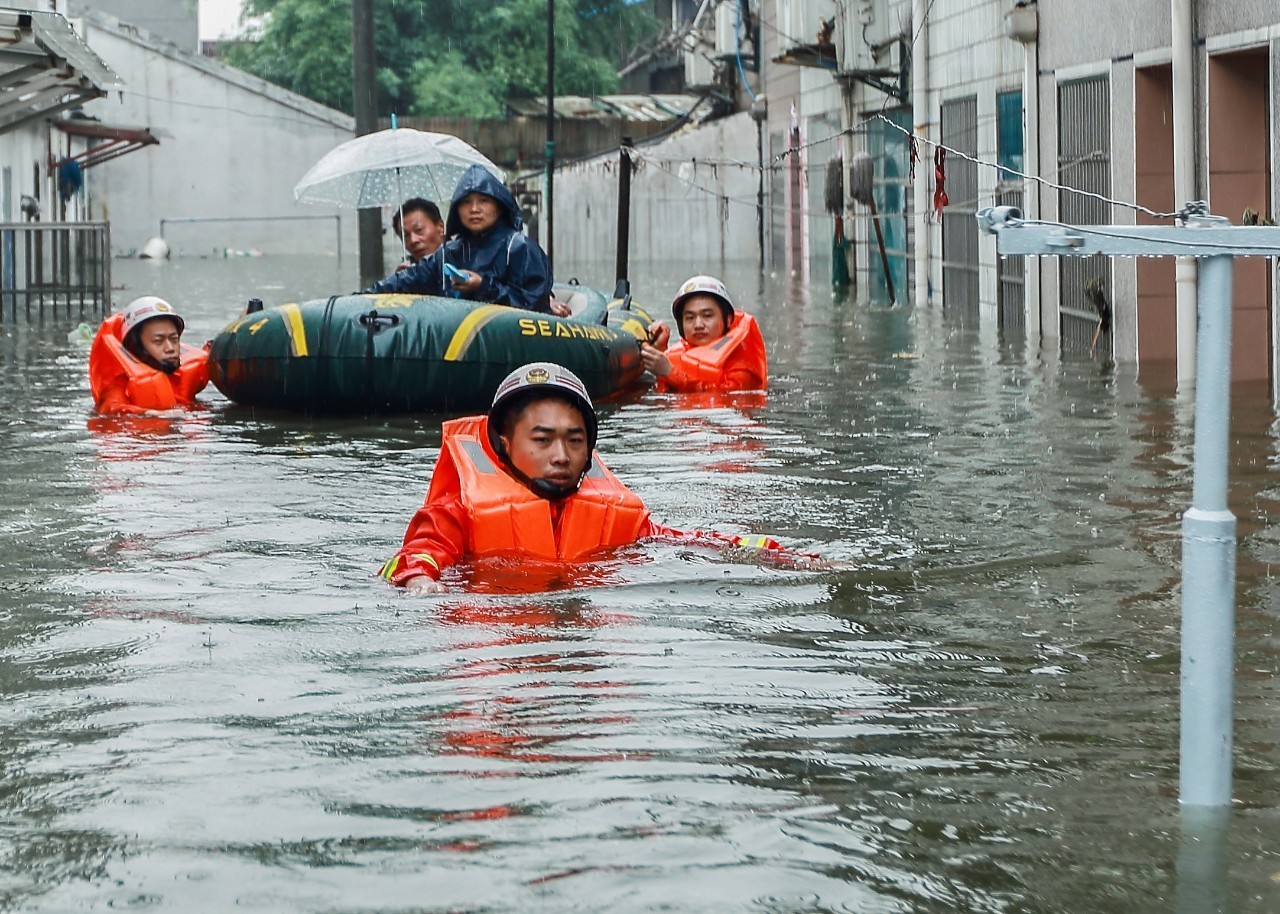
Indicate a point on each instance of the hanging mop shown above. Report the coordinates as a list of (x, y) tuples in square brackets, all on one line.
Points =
[(833, 197)]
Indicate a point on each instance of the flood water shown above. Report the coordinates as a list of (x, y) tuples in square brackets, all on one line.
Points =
[(209, 702)]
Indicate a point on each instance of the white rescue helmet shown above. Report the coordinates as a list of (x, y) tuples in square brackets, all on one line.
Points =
[(519, 387), (702, 285), (547, 376), (143, 309), (543, 376)]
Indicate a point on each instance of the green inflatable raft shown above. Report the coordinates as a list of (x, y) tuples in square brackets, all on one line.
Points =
[(407, 353)]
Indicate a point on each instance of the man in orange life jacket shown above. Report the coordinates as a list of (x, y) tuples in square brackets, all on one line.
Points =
[(525, 481), (720, 349), (138, 363)]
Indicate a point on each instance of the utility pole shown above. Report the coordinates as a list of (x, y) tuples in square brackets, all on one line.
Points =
[(364, 82), (1208, 526), (1182, 18), (624, 210), (550, 245), (759, 112)]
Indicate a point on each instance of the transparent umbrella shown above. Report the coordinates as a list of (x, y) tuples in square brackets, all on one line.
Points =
[(386, 167)]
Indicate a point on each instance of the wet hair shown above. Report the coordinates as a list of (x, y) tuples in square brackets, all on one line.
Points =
[(416, 205)]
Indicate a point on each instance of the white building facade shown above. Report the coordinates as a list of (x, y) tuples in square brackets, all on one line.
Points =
[(231, 149)]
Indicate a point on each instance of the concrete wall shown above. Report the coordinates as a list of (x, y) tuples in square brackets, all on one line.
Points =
[(231, 147), (173, 20), (1089, 30), (693, 198), (23, 153)]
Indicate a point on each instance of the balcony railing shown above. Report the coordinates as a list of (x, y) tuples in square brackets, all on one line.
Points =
[(51, 269)]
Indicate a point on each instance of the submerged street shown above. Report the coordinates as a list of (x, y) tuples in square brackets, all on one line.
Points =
[(209, 701)]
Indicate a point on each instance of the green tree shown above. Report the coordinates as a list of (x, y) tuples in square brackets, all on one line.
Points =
[(443, 57), (446, 86)]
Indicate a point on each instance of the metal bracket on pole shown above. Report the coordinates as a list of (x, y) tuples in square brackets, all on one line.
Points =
[(1208, 527)]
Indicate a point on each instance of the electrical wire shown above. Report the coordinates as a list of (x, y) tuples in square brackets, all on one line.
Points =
[(1271, 250), (863, 126), (1033, 178)]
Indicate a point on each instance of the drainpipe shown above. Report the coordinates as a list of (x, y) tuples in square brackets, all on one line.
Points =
[(1184, 177), (1022, 24), (920, 115)]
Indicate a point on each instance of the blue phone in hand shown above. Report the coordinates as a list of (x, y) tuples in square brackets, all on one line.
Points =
[(454, 273)]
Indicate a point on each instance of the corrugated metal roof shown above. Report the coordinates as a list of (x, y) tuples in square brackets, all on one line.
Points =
[(115, 141), (627, 107), (45, 67)]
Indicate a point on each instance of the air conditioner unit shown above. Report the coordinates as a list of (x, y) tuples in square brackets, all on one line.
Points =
[(800, 21), (698, 68), (726, 25), (862, 35)]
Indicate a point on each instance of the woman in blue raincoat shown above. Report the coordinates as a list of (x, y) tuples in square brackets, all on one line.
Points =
[(487, 258)]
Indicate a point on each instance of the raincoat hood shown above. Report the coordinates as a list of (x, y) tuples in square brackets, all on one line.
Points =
[(479, 179)]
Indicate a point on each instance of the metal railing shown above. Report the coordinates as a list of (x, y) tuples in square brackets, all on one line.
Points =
[(194, 220), (55, 268)]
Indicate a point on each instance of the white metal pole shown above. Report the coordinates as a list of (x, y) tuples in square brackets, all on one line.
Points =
[(1184, 178), (1208, 526), (920, 119), (1031, 190), (1209, 561)]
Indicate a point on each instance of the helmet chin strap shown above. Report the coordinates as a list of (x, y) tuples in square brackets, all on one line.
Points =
[(550, 490)]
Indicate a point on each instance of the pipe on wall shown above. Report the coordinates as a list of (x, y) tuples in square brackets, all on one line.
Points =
[(1031, 165), (920, 119), (1184, 176)]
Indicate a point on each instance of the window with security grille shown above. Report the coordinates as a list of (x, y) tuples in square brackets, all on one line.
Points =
[(959, 128), (1084, 164), (1010, 271)]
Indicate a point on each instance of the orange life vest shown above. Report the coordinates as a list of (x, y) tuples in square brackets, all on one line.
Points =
[(707, 364), (508, 518), (146, 387)]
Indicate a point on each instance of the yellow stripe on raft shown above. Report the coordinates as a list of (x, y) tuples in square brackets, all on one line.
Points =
[(635, 328), (294, 327), (467, 330)]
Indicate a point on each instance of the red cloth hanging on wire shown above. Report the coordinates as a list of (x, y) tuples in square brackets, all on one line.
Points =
[(939, 182)]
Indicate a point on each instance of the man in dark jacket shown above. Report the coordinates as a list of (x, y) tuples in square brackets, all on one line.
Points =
[(487, 258)]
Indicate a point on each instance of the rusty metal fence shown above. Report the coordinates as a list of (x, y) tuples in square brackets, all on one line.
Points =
[(54, 269)]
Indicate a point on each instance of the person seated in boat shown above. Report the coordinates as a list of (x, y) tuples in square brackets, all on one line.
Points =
[(525, 481), (420, 227), (487, 257), (720, 348), (138, 363)]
